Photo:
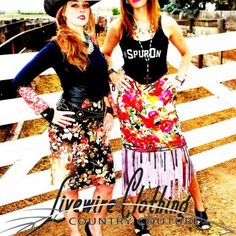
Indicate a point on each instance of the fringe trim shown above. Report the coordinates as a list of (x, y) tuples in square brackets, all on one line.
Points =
[(160, 168)]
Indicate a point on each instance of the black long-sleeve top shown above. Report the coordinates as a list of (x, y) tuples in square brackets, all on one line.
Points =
[(94, 81)]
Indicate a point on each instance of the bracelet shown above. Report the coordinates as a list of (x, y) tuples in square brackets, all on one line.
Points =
[(177, 77), (110, 71), (109, 110), (48, 114)]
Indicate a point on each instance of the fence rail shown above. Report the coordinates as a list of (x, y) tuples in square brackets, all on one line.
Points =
[(30, 39), (23, 154)]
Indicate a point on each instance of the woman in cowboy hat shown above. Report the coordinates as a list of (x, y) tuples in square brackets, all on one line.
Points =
[(83, 115)]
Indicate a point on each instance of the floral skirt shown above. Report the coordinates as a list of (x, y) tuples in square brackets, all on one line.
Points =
[(152, 138), (80, 149)]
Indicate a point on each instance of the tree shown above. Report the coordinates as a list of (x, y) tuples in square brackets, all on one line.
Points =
[(115, 11), (187, 7)]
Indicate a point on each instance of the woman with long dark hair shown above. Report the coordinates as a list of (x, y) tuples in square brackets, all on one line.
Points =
[(83, 115), (151, 131)]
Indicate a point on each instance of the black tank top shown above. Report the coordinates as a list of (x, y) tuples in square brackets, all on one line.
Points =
[(135, 64)]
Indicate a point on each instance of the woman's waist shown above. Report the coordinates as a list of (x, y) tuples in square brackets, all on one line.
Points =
[(145, 78), (85, 109), (75, 95)]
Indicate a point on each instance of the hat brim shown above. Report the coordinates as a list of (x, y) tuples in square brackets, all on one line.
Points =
[(52, 7), (92, 2)]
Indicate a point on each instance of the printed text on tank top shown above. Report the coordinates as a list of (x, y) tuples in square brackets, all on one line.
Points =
[(145, 57)]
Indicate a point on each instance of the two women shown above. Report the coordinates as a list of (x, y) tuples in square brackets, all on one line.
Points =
[(83, 115), (151, 132)]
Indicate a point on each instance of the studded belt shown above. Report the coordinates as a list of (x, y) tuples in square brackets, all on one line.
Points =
[(96, 110)]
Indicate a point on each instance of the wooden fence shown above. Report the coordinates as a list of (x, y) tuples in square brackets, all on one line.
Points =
[(208, 22), (22, 155), (30, 39)]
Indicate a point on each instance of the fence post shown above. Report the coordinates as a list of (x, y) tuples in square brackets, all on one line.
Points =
[(221, 25), (221, 29), (191, 23), (200, 61), (200, 57)]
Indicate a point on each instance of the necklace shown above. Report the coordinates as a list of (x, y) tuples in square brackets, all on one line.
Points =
[(147, 78), (143, 31), (88, 43)]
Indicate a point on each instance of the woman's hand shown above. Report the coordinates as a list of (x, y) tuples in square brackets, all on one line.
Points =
[(107, 122), (120, 80), (172, 83), (61, 118)]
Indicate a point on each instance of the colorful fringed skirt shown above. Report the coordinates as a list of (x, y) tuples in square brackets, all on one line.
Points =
[(80, 150), (152, 139)]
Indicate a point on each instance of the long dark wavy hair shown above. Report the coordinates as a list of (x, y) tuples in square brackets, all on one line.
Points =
[(69, 41), (127, 18)]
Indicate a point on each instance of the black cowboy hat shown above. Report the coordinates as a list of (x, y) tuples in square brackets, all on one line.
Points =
[(52, 6)]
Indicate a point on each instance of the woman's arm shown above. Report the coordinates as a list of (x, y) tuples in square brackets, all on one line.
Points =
[(22, 82), (43, 60), (175, 35), (173, 31), (112, 39)]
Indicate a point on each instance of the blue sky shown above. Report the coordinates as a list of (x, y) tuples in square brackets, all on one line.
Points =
[(37, 5)]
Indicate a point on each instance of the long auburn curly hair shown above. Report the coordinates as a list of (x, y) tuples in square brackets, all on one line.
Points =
[(69, 41)]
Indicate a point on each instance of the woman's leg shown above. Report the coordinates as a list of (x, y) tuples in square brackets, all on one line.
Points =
[(195, 193), (140, 223), (136, 213), (105, 193), (70, 215), (193, 188), (201, 219)]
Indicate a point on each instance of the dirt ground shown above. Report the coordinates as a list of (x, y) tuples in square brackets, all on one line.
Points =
[(218, 183)]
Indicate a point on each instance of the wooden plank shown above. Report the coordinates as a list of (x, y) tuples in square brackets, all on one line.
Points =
[(214, 87), (212, 43), (18, 61), (21, 148), (21, 187), (117, 58), (201, 107), (210, 133), (221, 91), (214, 156), (218, 73), (11, 64), (25, 164), (24, 187), (23, 111)]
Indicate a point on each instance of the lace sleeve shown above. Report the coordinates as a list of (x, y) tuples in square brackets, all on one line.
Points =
[(32, 99)]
